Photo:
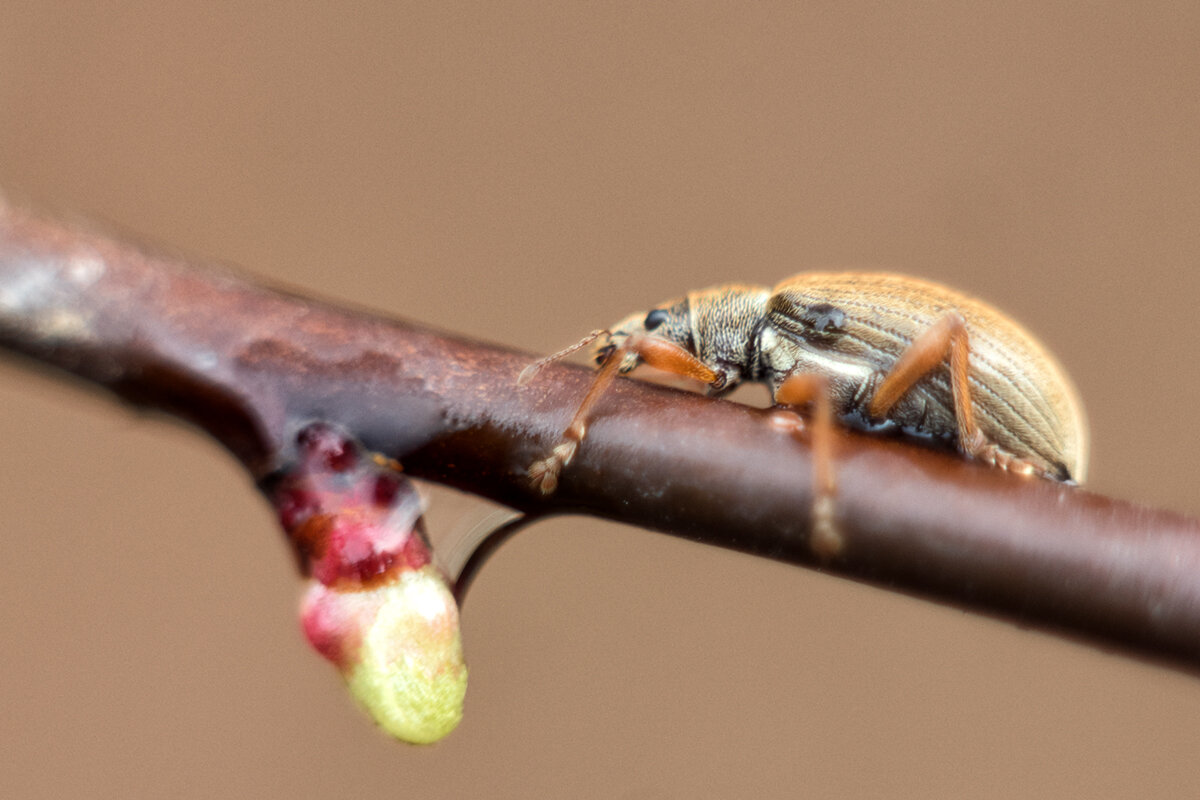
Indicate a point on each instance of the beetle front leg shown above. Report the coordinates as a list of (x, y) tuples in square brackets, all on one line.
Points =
[(811, 389), (657, 353), (544, 474)]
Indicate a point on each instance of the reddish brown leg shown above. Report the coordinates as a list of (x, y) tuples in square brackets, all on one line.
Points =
[(810, 389), (947, 337), (657, 353)]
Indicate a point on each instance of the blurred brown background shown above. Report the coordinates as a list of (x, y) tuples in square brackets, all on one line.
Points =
[(523, 172)]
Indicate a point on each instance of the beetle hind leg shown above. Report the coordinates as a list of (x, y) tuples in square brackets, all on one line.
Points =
[(947, 339)]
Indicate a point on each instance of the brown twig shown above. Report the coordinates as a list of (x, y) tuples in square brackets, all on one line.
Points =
[(251, 365)]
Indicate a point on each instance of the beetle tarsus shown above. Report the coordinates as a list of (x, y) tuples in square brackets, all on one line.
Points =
[(993, 456), (543, 475), (825, 540)]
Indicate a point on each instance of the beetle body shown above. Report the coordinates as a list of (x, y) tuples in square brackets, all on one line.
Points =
[(852, 329)]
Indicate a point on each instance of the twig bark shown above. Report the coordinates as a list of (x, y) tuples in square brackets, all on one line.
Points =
[(251, 365)]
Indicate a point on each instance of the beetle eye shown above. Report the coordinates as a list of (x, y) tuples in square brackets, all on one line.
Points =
[(655, 318)]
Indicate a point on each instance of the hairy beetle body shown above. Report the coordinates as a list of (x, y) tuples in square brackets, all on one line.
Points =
[(852, 329)]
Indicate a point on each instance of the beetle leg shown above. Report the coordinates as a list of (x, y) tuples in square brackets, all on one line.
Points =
[(947, 337), (807, 388), (657, 353), (670, 357)]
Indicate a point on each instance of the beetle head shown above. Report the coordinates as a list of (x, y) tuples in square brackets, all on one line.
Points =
[(667, 321)]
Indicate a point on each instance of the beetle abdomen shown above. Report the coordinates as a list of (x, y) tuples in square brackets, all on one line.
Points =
[(854, 326)]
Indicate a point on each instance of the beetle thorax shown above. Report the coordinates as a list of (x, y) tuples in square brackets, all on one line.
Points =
[(725, 321)]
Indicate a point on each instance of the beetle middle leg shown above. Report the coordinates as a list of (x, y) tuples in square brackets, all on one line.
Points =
[(947, 337), (656, 352), (807, 388)]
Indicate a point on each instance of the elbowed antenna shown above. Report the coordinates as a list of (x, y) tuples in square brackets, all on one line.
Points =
[(529, 372)]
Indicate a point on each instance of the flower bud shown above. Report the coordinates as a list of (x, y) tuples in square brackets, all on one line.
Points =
[(397, 645), (376, 605)]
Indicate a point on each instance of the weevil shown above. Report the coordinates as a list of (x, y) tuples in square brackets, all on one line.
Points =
[(875, 351)]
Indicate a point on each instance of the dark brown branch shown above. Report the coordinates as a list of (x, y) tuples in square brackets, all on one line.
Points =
[(250, 365)]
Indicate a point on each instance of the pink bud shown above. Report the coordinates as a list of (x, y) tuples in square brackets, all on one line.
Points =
[(376, 606)]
